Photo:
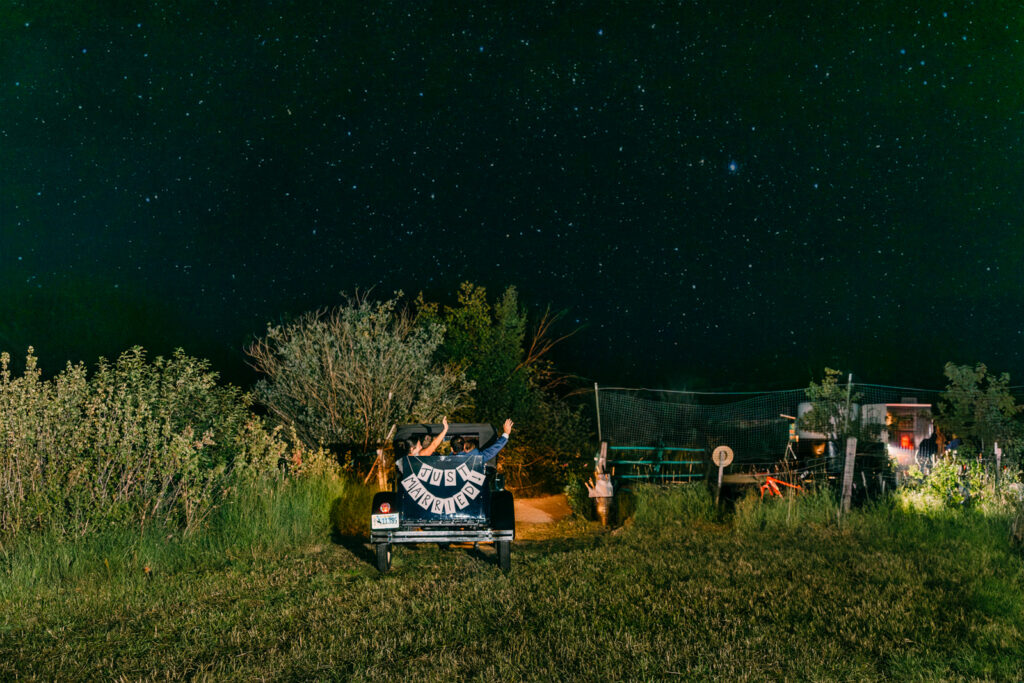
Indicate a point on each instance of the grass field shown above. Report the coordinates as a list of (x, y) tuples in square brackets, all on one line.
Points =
[(890, 594)]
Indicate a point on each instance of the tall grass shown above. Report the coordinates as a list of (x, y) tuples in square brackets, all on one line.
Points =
[(264, 519), (679, 504), (815, 506), (893, 593), (912, 516)]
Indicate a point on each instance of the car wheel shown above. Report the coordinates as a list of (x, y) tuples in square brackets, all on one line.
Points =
[(383, 557), (504, 555)]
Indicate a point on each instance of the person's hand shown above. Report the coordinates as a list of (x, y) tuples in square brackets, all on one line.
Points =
[(415, 450), (444, 421), (507, 429)]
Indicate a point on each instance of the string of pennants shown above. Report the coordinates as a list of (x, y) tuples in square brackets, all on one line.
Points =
[(414, 485)]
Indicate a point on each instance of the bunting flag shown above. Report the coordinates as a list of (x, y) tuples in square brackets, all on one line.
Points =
[(416, 486)]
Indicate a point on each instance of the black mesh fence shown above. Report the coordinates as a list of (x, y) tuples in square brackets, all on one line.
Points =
[(756, 425)]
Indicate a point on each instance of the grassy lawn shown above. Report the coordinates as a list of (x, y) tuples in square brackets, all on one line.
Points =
[(890, 595)]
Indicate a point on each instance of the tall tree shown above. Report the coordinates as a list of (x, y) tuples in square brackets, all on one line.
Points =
[(978, 407), (829, 400), (507, 360), (487, 340)]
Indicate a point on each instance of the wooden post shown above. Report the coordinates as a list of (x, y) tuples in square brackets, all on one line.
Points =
[(999, 461), (718, 490), (602, 459), (851, 453), (721, 456)]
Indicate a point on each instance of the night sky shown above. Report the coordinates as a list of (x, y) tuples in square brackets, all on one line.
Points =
[(725, 194)]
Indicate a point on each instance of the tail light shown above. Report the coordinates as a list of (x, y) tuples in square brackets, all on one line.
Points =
[(385, 508)]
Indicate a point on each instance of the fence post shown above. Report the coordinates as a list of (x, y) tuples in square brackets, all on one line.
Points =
[(851, 453), (999, 458)]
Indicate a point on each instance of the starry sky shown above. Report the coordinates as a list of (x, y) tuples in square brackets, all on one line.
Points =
[(724, 194)]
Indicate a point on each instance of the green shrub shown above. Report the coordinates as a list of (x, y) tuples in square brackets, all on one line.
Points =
[(680, 504), (578, 498), (957, 482), (136, 444), (345, 376)]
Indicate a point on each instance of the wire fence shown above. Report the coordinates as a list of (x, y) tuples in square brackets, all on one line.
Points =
[(668, 437), (755, 425)]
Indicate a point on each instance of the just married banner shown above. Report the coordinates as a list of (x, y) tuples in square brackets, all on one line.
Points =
[(447, 486)]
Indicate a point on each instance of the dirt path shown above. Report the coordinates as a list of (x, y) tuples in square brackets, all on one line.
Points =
[(542, 510)]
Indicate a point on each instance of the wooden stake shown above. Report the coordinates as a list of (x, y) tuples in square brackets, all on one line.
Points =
[(999, 461), (851, 453), (718, 491)]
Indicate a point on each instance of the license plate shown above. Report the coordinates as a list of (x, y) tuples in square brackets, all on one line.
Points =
[(389, 521)]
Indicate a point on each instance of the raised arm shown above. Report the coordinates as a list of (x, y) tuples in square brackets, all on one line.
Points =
[(493, 449), (429, 450)]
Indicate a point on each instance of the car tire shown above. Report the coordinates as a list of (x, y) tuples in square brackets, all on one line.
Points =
[(503, 511), (504, 555), (383, 557)]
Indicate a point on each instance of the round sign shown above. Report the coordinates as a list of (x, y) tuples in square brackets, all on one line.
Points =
[(722, 456)]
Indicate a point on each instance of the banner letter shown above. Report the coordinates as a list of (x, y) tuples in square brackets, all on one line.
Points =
[(417, 493)]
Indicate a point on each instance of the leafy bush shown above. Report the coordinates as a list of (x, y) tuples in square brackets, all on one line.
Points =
[(347, 375), (136, 443), (578, 498), (955, 482), (959, 483), (679, 504)]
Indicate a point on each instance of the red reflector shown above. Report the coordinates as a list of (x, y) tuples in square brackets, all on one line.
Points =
[(385, 508)]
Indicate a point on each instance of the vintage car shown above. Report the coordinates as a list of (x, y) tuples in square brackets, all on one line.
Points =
[(443, 498)]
